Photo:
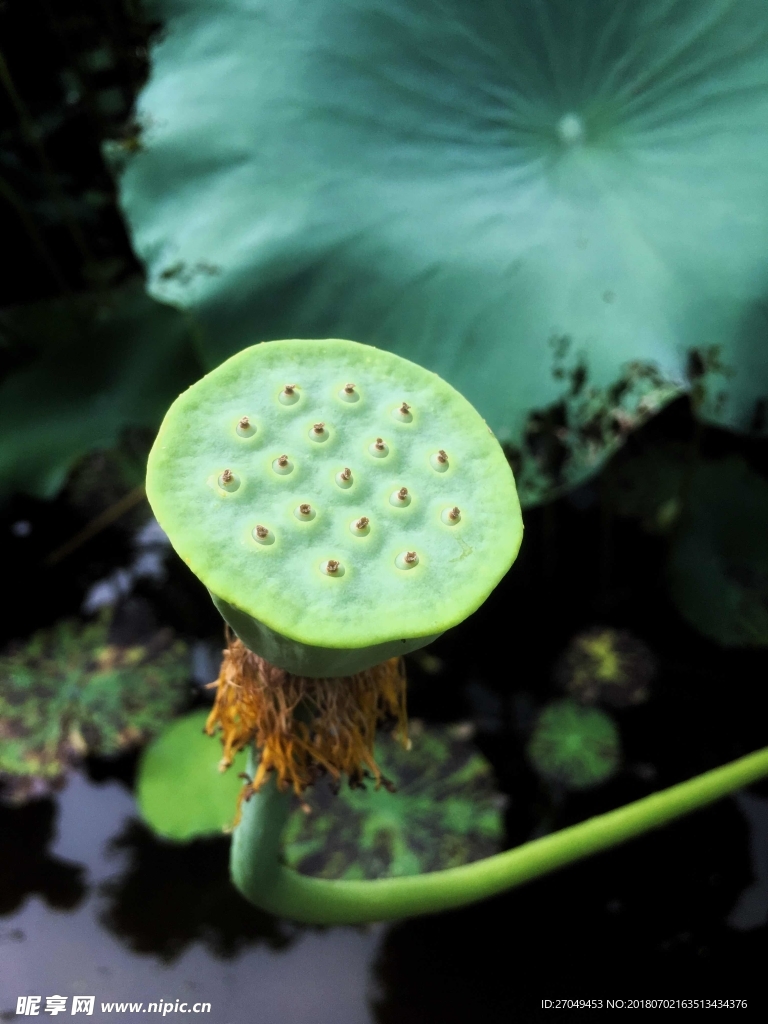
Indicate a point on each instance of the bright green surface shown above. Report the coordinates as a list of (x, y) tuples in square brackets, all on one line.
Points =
[(282, 584), (577, 747), (498, 191), (259, 875), (180, 791), (68, 692)]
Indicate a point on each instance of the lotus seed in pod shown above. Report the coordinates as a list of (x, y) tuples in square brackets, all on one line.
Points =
[(341, 504)]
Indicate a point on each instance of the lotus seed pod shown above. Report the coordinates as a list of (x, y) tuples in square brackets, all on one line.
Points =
[(316, 594)]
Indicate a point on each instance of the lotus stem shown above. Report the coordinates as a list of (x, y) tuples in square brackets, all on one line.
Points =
[(259, 875)]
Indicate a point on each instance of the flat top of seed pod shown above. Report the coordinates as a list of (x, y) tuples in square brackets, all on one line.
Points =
[(338, 493)]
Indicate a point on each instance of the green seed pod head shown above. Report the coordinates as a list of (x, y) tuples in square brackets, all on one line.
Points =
[(574, 746), (342, 505)]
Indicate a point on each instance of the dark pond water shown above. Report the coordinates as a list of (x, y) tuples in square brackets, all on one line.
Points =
[(92, 904)]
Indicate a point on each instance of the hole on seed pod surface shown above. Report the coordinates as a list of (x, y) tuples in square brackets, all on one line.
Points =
[(289, 395), (349, 393), (379, 449), (229, 481), (304, 512), (407, 560), (403, 413), (451, 516), (401, 498), (282, 465), (333, 567), (360, 527), (245, 428), (344, 477), (439, 461), (262, 535), (318, 432)]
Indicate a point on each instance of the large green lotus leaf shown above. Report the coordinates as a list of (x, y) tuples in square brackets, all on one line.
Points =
[(445, 811), (718, 566), (550, 203), (104, 362), (68, 691)]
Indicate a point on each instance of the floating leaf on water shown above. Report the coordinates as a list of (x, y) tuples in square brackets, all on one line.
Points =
[(181, 792), (606, 665), (445, 811), (574, 746), (68, 692)]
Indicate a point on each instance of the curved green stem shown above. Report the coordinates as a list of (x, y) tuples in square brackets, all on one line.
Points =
[(259, 875)]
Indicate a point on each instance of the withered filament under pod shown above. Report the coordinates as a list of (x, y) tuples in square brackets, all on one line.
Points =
[(305, 727)]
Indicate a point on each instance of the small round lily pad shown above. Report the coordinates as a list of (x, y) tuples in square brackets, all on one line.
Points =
[(574, 746), (180, 791), (606, 665), (265, 517)]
